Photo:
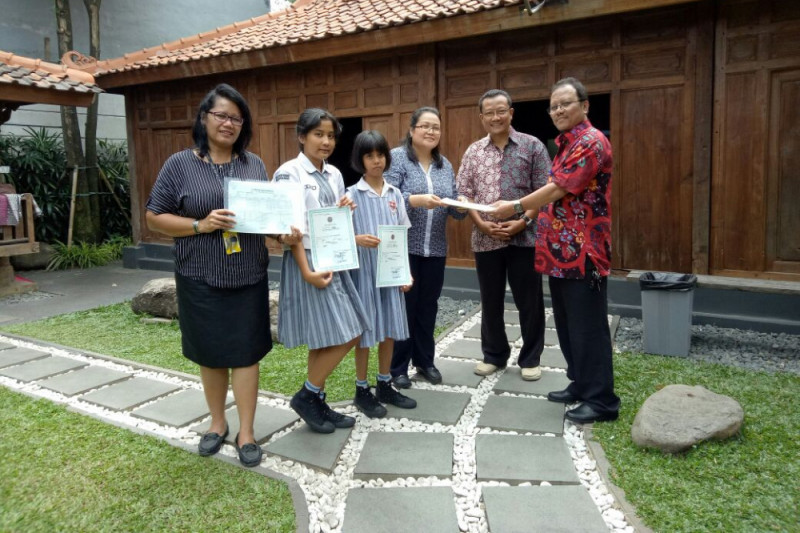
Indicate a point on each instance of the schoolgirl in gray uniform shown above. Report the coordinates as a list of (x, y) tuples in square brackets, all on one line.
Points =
[(379, 204), (320, 309)]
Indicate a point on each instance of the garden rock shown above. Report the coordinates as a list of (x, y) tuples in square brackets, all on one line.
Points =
[(679, 416), (157, 298)]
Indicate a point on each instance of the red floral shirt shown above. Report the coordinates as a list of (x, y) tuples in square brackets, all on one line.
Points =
[(578, 225)]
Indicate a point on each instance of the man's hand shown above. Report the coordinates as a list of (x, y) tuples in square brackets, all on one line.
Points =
[(509, 228)]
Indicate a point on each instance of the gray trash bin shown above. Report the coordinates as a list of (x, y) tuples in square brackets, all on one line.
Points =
[(667, 312)]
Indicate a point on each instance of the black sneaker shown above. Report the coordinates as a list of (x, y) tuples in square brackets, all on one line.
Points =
[(308, 405), (338, 420), (388, 394), (367, 403)]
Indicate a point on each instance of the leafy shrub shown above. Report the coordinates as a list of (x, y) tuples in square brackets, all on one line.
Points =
[(87, 255)]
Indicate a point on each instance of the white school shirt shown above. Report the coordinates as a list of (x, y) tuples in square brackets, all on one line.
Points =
[(388, 188), (301, 170)]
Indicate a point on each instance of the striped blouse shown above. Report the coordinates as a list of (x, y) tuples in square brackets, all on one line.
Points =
[(189, 187)]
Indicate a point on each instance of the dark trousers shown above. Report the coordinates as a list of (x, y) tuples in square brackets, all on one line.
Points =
[(514, 263), (422, 304), (581, 315)]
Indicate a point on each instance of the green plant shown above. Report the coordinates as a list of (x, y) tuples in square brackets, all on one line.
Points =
[(79, 255), (112, 157)]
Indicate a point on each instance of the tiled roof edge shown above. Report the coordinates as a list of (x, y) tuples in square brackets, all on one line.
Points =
[(52, 68)]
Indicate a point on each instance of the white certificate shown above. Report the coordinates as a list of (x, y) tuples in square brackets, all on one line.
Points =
[(468, 205), (393, 267), (264, 206), (333, 242)]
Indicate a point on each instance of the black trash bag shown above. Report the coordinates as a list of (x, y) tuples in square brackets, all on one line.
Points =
[(664, 281)]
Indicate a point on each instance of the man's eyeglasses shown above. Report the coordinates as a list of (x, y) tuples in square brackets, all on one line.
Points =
[(499, 113), (558, 107), (429, 127), (222, 118)]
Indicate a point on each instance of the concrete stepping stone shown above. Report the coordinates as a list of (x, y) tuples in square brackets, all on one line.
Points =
[(402, 454), (526, 415), (550, 322), (519, 458), (389, 510), (550, 337), (83, 380), (464, 349), (455, 373), (268, 421), (14, 356), (129, 393), (177, 409), (316, 450), (6, 345), (553, 358), (42, 368), (511, 381), (512, 332), (432, 406), (567, 508), (511, 317)]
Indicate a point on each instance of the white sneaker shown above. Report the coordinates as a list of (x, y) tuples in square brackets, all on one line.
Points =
[(531, 374), (485, 369)]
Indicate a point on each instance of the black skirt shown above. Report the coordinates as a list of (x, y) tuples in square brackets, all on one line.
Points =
[(223, 328)]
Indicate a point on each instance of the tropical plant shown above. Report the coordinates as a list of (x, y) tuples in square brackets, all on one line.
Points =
[(87, 255)]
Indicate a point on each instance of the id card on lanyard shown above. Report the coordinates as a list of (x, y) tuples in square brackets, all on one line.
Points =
[(230, 239)]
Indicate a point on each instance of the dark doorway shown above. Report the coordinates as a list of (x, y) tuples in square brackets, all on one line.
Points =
[(532, 118), (340, 158)]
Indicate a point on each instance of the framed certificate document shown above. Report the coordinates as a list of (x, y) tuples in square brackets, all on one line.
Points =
[(393, 267), (264, 206), (333, 242)]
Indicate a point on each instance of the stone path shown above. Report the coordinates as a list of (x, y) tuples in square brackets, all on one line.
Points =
[(478, 454)]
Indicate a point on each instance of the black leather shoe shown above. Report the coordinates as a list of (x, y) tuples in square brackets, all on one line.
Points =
[(584, 414), (249, 454), (211, 443), (562, 396), (431, 373), (402, 381)]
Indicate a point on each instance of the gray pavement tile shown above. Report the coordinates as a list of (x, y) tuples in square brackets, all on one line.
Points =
[(550, 322), (177, 409), (317, 450), (455, 373), (432, 406), (511, 317), (553, 358), (396, 509), (6, 345), (564, 508), (15, 356), (83, 380), (518, 458), (522, 414), (464, 349), (42, 368), (511, 381), (129, 393), (512, 332), (550, 337), (268, 421), (403, 454)]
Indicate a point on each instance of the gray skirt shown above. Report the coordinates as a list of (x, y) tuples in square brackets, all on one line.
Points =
[(317, 317), (223, 328)]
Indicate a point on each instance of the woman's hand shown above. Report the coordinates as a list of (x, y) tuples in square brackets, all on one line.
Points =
[(292, 238), (318, 279), (503, 209), (367, 241), (462, 198), (346, 201), (428, 201), (217, 219)]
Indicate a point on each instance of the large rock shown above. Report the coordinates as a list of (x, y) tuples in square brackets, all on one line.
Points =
[(158, 298), (679, 416)]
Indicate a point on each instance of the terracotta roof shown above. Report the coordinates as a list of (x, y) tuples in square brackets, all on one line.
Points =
[(21, 71), (304, 21)]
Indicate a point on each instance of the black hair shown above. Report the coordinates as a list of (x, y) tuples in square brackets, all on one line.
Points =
[(199, 133), (491, 93), (367, 142), (438, 160), (313, 117), (583, 95)]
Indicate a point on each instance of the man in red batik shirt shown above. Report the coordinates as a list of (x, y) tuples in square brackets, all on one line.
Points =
[(573, 247)]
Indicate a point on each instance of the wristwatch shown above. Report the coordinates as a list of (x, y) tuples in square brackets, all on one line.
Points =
[(518, 207), (528, 220)]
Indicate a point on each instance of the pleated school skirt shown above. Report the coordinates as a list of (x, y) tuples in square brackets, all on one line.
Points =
[(317, 317), (223, 328)]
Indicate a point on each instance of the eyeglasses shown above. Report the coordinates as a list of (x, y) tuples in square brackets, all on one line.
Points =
[(429, 127), (558, 107), (499, 113), (222, 118)]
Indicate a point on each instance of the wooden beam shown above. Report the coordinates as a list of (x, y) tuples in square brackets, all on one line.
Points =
[(431, 31), (26, 95)]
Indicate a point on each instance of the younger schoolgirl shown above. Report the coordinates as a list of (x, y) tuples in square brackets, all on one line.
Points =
[(320, 309), (378, 204)]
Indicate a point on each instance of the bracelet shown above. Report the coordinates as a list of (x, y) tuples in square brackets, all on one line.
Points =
[(196, 226)]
